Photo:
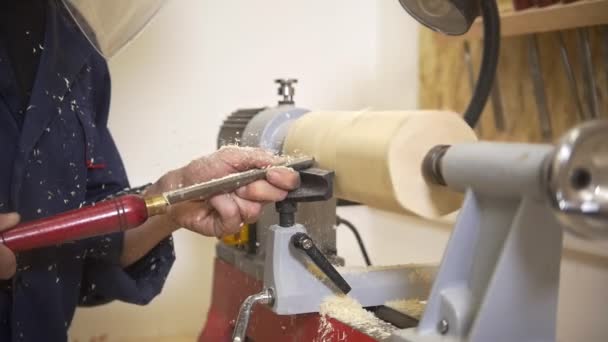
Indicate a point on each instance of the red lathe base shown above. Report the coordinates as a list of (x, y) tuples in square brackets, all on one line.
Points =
[(230, 288)]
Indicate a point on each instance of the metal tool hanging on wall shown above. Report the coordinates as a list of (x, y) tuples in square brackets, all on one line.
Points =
[(590, 108), (538, 84), (572, 83), (588, 74), (605, 50)]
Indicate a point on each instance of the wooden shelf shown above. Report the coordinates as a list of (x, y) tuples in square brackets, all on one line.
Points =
[(552, 18)]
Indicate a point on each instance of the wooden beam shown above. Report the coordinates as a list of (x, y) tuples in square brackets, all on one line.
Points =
[(546, 19)]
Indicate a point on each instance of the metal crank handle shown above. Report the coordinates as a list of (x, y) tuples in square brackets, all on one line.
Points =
[(242, 320)]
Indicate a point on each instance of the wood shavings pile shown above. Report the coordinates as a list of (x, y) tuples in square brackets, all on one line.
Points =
[(423, 272), (367, 269), (349, 311), (411, 307)]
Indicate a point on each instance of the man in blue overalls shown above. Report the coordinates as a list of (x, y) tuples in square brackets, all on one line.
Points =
[(57, 154)]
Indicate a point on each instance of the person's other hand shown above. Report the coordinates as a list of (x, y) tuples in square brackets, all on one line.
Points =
[(8, 263), (225, 214)]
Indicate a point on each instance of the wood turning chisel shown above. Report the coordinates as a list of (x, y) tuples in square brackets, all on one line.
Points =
[(570, 75), (538, 84), (497, 106), (605, 45), (588, 75), (126, 212)]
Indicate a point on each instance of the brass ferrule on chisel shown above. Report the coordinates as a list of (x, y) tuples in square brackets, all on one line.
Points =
[(158, 204)]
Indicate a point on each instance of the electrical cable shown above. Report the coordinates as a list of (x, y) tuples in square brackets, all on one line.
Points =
[(489, 62), (352, 227)]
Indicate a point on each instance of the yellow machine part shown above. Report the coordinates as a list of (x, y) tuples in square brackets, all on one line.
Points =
[(239, 239)]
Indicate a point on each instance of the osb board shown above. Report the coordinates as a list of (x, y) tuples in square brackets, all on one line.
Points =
[(444, 82), (559, 16), (505, 5)]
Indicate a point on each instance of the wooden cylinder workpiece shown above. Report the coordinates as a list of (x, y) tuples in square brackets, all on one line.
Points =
[(377, 156)]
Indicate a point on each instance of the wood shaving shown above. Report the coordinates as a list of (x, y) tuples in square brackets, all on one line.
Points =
[(421, 275), (347, 310), (238, 147), (367, 269), (411, 307), (417, 272), (325, 330)]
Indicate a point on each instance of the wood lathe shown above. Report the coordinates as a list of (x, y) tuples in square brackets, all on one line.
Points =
[(499, 277)]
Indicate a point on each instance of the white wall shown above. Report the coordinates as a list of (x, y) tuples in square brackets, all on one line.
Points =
[(202, 59)]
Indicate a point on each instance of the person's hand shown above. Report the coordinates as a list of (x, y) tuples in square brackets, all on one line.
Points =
[(8, 263), (225, 214)]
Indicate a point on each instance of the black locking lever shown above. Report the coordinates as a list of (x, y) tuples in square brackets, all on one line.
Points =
[(303, 242), (316, 185)]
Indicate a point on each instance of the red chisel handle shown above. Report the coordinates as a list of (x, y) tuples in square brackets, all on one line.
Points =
[(111, 216)]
